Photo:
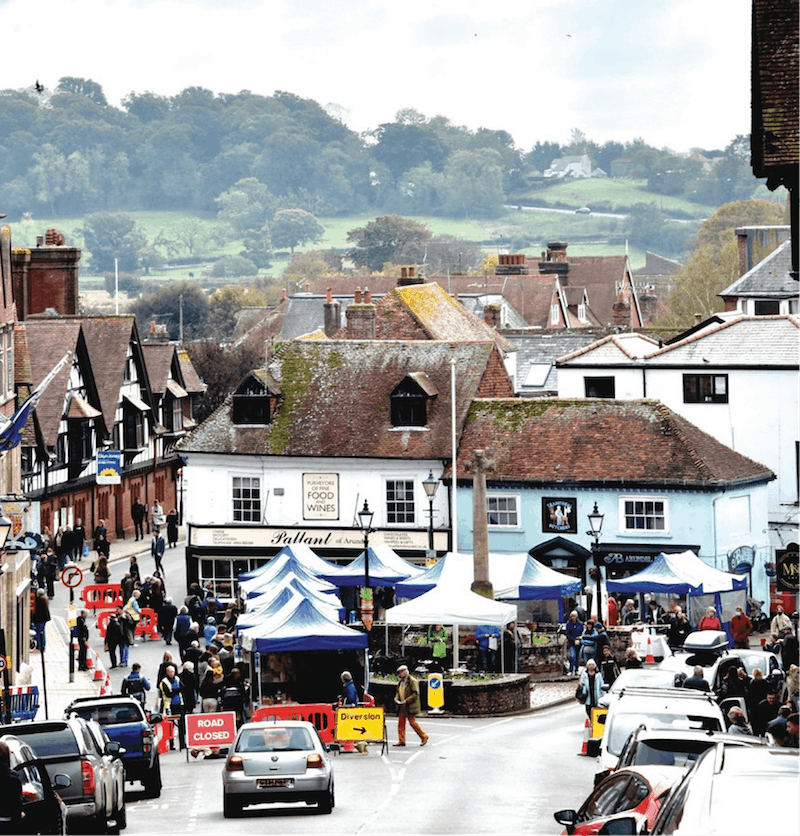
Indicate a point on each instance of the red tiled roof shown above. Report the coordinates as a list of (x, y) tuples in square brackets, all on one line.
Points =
[(547, 441)]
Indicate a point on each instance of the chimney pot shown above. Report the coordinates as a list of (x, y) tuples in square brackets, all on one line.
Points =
[(357, 298), (330, 296), (411, 272), (367, 296)]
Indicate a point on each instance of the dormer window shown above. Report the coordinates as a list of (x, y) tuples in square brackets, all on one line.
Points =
[(409, 400), (252, 402)]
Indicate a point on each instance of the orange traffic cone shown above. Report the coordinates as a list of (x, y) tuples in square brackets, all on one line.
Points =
[(649, 659), (348, 746)]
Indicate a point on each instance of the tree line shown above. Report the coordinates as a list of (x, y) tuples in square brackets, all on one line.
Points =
[(68, 152)]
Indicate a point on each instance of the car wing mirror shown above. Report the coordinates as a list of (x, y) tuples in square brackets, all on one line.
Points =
[(621, 826)]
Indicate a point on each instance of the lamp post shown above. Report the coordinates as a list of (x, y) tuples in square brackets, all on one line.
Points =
[(5, 529), (431, 485), (595, 529), (365, 522)]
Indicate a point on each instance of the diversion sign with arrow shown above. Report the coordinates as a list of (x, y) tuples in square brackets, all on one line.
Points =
[(362, 724)]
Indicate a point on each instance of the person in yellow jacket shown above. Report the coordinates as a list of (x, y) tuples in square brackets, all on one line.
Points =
[(407, 698)]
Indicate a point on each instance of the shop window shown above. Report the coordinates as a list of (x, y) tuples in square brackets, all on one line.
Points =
[(705, 388)]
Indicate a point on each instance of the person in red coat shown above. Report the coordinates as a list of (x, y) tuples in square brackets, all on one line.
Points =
[(741, 627), (710, 621), (613, 611)]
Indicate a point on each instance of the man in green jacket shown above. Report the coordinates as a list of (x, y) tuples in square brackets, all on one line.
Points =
[(407, 698)]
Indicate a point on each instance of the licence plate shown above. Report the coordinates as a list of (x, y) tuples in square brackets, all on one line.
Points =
[(265, 783)]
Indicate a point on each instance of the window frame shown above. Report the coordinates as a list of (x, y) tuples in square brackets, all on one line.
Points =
[(394, 514), (244, 512), (602, 380), (505, 496), (645, 530), (697, 395)]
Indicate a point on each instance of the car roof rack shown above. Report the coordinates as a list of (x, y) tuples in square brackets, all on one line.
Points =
[(670, 693)]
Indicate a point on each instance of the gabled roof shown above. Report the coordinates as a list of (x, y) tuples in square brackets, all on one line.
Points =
[(336, 400), (742, 341), (191, 380), (49, 339), (768, 279), (599, 442), (538, 351), (158, 357), (615, 348), (107, 341)]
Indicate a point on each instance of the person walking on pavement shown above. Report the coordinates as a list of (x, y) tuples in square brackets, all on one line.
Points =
[(156, 517), (172, 699), (82, 635), (136, 575), (137, 515), (166, 619), (741, 628), (349, 695), (101, 572), (134, 685), (189, 687), (710, 621), (172, 528), (488, 638), (115, 638), (407, 698), (573, 629), (157, 547), (100, 532), (678, 630), (68, 544), (132, 614), (79, 532), (591, 686), (41, 615)]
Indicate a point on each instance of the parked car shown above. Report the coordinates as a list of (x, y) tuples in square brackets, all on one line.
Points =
[(45, 811), (583, 210), (81, 750), (125, 720), (666, 708), (638, 678), (277, 762), (709, 649), (718, 796), (640, 792)]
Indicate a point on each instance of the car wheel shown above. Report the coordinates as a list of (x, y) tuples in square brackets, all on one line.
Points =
[(152, 783), (121, 819), (230, 808), (327, 800)]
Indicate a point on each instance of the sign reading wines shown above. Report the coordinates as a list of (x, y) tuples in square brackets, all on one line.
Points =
[(320, 496)]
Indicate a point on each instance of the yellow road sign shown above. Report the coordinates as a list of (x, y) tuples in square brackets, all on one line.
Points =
[(360, 723), (598, 725)]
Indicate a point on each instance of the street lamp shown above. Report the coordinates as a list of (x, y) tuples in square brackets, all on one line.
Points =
[(5, 529), (365, 522), (431, 485), (595, 529)]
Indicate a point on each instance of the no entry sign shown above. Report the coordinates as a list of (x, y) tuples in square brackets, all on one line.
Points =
[(210, 729)]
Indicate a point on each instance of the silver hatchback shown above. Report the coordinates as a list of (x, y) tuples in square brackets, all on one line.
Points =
[(277, 762)]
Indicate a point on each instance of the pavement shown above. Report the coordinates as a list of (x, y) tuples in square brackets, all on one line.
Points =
[(51, 675)]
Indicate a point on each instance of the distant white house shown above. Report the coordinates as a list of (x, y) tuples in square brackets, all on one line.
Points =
[(570, 167)]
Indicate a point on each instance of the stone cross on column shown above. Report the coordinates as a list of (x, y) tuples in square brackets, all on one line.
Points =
[(480, 463)]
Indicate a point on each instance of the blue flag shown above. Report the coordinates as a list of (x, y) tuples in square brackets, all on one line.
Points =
[(11, 435)]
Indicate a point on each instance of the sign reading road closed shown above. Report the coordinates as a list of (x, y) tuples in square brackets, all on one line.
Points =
[(210, 729), (360, 724)]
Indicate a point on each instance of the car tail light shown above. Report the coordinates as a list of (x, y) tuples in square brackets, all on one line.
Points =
[(147, 741), (87, 775), (234, 764), (314, 762)]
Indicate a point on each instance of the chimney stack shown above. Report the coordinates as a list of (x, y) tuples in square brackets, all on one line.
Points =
[(333, 315), (361, 317)]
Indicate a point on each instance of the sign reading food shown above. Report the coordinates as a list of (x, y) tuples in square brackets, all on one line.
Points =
[(109, 467), (320, 496)]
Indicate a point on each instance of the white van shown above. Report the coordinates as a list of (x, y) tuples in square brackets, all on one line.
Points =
[(655, 708)]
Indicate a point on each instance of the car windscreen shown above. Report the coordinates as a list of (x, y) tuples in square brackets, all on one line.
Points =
[(274, 739), (109, 714), (623, 724), (49, 742), (669, 752)]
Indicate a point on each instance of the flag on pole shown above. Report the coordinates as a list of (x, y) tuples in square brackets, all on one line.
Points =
[(11, 428)]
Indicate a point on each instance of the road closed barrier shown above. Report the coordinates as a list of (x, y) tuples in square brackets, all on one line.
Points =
[(147, 625), (320, 714), (216, 730), (97, 596)]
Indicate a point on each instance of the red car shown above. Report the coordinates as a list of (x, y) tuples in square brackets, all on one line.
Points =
[(640, 791)]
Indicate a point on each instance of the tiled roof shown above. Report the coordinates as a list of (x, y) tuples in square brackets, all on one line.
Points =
[(49, 339), (158, 357), (107, 340), (541, 349), (768, 279), (336, 400), (615, 348), (742, 341), (599, 442), (191, 380)]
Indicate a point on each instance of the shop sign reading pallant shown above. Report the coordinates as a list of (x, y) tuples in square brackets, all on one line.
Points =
[(210, 729)]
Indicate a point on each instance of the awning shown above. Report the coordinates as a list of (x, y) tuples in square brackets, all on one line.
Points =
[(176, 390), (137, 403)]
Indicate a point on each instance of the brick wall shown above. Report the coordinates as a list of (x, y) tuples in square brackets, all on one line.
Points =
[(495, 382), (46, 277)]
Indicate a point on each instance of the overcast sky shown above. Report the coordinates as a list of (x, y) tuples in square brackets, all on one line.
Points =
[(673, 72)]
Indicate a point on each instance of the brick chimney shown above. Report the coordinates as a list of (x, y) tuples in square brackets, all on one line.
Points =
[(408, 276), (361, 317), (333, 315), (555, 261), (46, 276)]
